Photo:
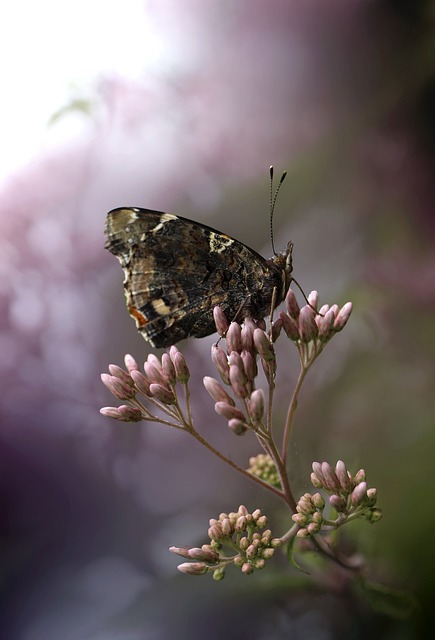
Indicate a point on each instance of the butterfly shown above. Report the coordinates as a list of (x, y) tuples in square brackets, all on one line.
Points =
[(177, 270)]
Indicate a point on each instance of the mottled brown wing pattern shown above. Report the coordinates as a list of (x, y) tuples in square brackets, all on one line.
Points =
[(176, 270)]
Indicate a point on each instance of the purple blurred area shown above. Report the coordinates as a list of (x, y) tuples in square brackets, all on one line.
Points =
[(342, 95)]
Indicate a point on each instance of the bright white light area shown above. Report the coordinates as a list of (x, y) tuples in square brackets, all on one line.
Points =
[(50, 46)]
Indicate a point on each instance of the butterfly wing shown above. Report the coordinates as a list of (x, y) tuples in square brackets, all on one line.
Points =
[(177, 270)]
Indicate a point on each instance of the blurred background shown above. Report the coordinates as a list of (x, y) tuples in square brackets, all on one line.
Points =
[(182, 107)]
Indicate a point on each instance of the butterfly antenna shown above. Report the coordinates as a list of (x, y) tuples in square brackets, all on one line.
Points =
[(273, 198)]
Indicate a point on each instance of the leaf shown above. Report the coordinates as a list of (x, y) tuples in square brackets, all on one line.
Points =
[(395, 603)]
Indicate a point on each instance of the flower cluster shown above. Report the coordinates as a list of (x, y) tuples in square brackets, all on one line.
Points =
[(243, 533), (349, 497), (310, 329), (157, 383), (262, 466)]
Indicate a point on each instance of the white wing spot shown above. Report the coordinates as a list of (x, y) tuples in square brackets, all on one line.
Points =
[(160, 307), (164, 218), (219, 243)]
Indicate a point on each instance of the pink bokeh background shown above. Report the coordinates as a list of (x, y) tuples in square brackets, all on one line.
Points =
[(341, 94)]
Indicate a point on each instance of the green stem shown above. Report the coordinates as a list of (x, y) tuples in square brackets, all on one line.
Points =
[(291, 412)]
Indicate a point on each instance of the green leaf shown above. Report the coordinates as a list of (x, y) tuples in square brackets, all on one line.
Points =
[(391, 602)]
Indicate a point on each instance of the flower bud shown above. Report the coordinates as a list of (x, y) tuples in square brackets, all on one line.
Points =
[(238, 427), (233, 338), (216, 391), (168, 369), (290, 327), (219, 574), (220, 321), (371, 497), (227, 527), (122, 375), (263, 345), (153, 373), (343, 316), (117, 387), (228, 411), (331, 480), (307, 324), (338, 503), (141, 382), (205, 555), (373, 515), (238, 381), (247, 336), (315, 481), (343, 476), (360, 476), (215, 532), (129, 414), (256, 405), (325, 325), (318, 501), (317, 469), (247, 568), (181, 369), (180, 551), (162, 393), (300, 519), (359, 494), (130, 363), (249, 365), (292, 304), (276, 329), (313, 299), (193, 568), (220, 361)]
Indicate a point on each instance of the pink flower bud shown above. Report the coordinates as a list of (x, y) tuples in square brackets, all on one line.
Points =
[(181, 369), (193, 568), (359, 494), (228, 411), (249, 365), (317, 469), (205, 555), (216, 391), (325, 325), (220, 321), (247, 336), (168, 369), (130, 363), (162, 393), (238, 381), (153, 373), (343, 316), (313, 299), (256, 405), (247, 568), (343, 476), (180, 551), (117, 372), (120, 389), (307, 324), (233, 338), (238, 427), (263, 345), (338, 503), (220, 361), (292, 304), (290, 326), (276, 329), (141, 383), (331, 479), (129, 414)]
